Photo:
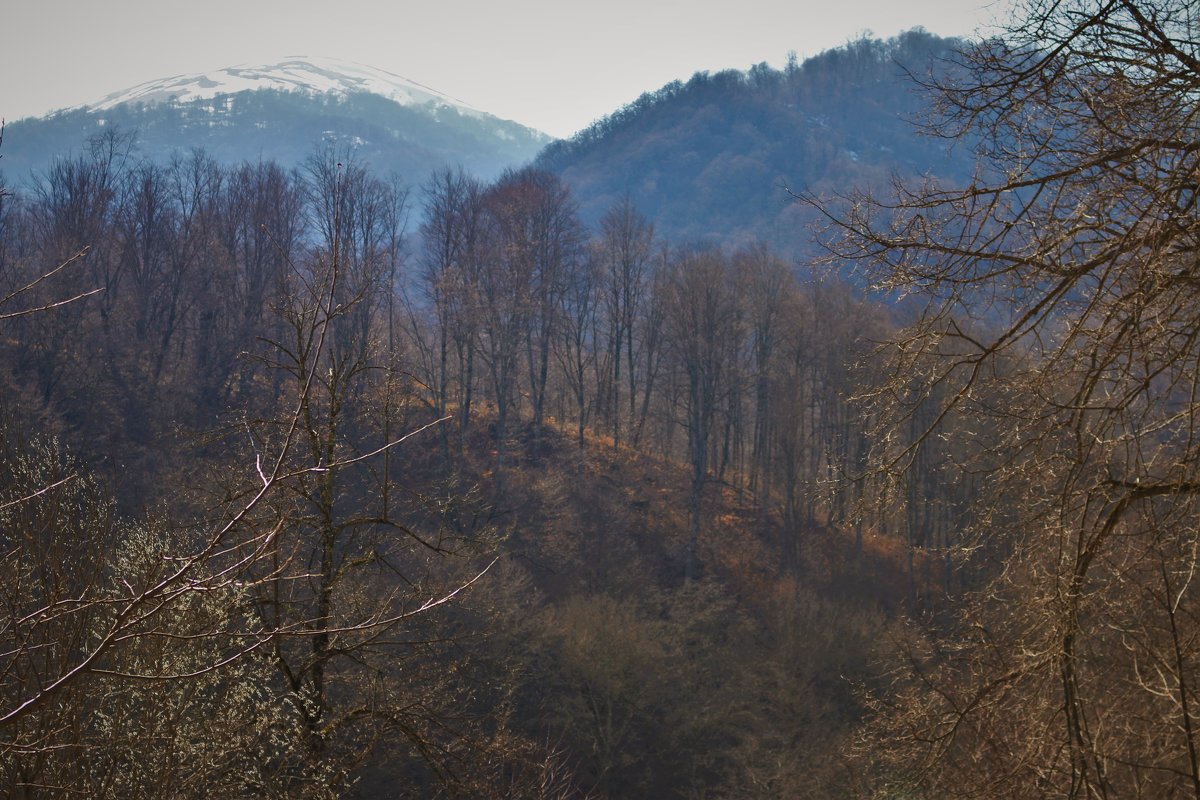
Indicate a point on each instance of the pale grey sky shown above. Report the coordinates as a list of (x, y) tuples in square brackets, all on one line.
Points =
[(555, 65)]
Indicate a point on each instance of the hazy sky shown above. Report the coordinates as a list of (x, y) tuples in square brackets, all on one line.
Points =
[(551, 64)]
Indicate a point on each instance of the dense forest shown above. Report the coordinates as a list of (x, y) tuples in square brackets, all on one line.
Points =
[(280, 411), (317, 485)]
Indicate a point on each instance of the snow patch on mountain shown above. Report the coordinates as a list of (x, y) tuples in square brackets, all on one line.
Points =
[(315, 76)]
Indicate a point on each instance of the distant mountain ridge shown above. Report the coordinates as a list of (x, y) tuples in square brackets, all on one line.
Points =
[(713, 158), (710, 159), (283, 112)]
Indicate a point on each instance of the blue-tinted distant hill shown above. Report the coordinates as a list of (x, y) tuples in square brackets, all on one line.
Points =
[(708, 159), (283, 112)]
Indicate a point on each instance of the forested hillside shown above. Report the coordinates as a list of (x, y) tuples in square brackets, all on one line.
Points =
[(487, 502), (315, 485), (714, 158)]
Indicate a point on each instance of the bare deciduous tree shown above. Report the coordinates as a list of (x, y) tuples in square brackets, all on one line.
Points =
[(702, 308), (296, 580), (627, 240), (1060, 348)]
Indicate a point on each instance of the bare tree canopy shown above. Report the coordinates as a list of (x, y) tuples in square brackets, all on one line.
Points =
[(1058, 352)]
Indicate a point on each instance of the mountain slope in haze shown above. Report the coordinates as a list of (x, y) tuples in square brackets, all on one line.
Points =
[(283, 112), (713, 158)]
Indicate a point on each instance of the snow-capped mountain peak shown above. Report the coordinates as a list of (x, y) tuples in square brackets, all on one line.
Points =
[(296, 74)]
